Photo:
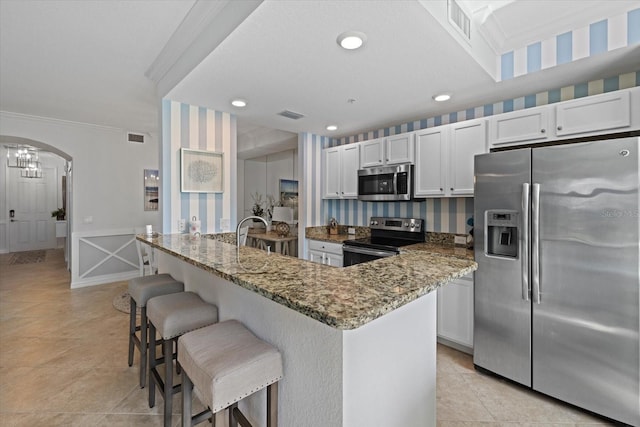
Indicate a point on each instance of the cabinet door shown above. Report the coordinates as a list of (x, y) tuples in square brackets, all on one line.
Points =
[(317, 257), (371, 153), (455, 311), (431, 162), (467, 139), (594, 113), (519, 126), (349, 171), (333, 260), (331, 173), (399, 149)]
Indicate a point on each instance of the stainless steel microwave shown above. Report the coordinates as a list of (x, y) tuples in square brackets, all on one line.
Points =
[(385, 183)]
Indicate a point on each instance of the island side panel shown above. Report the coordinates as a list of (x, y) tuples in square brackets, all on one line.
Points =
[(389, 368), (310, 394)]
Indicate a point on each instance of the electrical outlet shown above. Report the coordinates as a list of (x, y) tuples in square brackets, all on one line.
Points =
[(351, 230), (224, 224), (182, 224), (460, 240)]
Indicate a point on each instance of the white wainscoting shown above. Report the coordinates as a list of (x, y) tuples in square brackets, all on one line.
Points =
[(103, 257), (4, 238)]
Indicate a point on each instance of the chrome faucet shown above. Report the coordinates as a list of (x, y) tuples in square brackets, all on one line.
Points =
[(266, 224)]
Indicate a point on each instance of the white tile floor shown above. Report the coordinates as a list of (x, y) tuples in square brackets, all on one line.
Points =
[(63, 362)]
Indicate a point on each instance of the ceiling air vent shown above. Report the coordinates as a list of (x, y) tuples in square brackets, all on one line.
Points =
[(459, 19), (135, 137), (290, 115)]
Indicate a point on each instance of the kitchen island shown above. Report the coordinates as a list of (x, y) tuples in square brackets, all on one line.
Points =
[(358, 343)]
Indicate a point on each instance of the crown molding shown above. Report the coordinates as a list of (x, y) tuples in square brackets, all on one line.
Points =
[(202, 30)]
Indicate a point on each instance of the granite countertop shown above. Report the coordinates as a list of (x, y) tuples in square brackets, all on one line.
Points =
[(343, 298)]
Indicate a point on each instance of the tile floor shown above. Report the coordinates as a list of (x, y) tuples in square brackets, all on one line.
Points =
[(63, 363)]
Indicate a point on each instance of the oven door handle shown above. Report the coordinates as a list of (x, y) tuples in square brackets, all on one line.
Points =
[(365, 251)]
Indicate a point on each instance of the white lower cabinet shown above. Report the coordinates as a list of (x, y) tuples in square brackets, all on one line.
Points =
[(455, 314), (325, 253)]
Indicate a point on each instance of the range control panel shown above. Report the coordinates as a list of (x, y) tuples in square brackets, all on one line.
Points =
[(397, 224)]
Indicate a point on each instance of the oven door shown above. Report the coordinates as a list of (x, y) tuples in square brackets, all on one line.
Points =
[(353, 255)]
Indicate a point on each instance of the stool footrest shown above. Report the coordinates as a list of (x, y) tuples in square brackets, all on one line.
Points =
[(202, 416), (239, 417)]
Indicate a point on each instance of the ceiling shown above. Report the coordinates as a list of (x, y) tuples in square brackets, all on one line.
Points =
[(86, 61)]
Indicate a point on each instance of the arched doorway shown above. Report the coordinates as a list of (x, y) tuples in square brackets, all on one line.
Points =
[(27, 221)]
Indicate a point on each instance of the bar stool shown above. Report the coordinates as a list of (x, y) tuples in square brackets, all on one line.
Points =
[(172, 316), (225, 362), (141, 289)]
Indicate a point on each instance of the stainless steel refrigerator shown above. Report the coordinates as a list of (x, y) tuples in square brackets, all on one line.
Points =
[(557, 288)]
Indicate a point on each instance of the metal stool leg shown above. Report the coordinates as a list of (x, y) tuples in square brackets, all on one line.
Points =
[(168, 381), (152, 365), (186, 400), (144, 325), (272, 405), (132, 329)]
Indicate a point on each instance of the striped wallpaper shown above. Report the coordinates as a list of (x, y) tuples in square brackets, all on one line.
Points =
[(602, 36), (449, 215), (188, 126)]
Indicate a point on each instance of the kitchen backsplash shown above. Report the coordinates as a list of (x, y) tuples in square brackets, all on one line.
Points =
[(445, 215)]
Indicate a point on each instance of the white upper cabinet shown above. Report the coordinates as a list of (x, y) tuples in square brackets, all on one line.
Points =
[(340, 172), (390, 150), (349, 170), (431, 162), (399, 149), (525, 126), (331, 172), (602, 114), (466, 139), (372, 153), (594, 113)]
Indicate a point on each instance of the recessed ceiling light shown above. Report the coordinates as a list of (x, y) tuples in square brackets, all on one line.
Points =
[(442, 97), (239, 103), (332, 127), (351, 40)]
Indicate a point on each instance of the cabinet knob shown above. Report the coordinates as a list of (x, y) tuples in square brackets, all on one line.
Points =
[(559, 127), (543, 130), (342, 192), (336, 192), (451, 188), (442, 189), (387, 160)]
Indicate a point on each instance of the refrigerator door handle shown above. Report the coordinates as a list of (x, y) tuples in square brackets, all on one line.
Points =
[(535, 243), (524, 251)]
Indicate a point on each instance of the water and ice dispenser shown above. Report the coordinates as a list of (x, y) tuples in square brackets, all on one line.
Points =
[(501, 233)]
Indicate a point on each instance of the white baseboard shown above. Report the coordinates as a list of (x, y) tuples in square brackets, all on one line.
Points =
[(101, 280)]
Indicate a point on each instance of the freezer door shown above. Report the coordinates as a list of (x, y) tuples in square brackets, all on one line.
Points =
[(502, 310), (585, 327)]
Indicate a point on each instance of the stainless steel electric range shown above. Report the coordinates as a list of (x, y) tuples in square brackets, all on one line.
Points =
[(388, 235)]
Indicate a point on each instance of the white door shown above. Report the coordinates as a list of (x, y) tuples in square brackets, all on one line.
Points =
[(32, 200)]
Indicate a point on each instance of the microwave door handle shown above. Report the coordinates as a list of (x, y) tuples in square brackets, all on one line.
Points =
[(524, 242), (395, 183)]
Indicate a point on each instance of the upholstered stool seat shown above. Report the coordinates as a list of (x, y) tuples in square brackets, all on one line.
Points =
[(141, 289), (226, 362), (171, 316)]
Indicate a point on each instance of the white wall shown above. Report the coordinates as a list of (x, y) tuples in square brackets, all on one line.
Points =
[(107, 170), (263, 175)]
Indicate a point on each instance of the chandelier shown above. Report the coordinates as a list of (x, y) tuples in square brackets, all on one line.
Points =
[(25, 158)]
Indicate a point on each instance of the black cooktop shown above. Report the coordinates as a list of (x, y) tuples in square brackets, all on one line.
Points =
[(389, 234)]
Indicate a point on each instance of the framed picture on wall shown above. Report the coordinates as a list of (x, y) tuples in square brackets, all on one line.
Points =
[(201, 171), (151, 195), (289, 195)]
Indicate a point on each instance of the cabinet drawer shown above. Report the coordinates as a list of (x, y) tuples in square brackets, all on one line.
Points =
[(320, 246)]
